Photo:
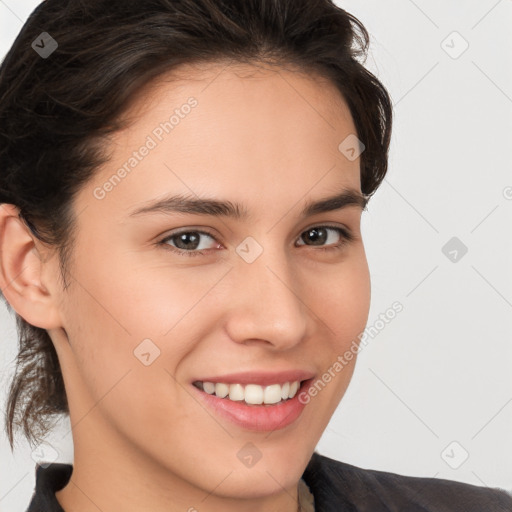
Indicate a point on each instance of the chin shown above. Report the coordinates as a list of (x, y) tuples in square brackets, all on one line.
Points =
[(258, 483)]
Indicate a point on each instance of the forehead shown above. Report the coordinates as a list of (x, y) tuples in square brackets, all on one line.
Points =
[(249, 82), (257, 97), (251, 129)]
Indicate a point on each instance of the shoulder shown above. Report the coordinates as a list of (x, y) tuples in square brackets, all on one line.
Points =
[(335, 484)]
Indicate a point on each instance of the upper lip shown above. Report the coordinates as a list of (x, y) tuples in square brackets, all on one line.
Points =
[(263, 378)]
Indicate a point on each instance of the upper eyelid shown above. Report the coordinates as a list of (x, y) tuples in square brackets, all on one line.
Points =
[(188, 230)]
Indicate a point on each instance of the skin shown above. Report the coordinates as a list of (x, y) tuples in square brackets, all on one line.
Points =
[(268, 139)]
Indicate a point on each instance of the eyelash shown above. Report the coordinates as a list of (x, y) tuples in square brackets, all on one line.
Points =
[(346, 237)]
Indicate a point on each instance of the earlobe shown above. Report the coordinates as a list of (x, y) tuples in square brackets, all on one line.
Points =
[(21, 266)]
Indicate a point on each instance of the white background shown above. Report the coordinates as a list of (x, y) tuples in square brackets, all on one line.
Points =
[(441, 370)]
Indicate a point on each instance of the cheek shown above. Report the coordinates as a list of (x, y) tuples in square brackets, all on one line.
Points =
[(342, 301), (125, 366), (341, 298), (120, 316), (124, 303)]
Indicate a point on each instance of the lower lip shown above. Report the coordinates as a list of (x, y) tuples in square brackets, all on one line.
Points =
[(264, 417)]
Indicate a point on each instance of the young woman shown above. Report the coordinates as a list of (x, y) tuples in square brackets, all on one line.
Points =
[(182, 183)]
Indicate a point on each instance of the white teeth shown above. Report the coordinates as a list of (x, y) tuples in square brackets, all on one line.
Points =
[(272, 394), (294, 386), (252, 393), (236, 392), (285, 390), (221, 390), (209, 387)]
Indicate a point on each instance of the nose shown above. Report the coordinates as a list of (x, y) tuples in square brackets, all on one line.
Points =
[(266, 304)]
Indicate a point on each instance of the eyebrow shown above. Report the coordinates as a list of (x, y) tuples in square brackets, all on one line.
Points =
[(217, 208)]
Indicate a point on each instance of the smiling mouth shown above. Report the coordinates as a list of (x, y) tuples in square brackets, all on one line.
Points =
[(251, 394)]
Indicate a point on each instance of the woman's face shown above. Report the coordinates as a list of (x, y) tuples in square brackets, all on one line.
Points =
[(255, 289)]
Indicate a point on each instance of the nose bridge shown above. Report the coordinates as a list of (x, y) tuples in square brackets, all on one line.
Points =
[(265, 303)]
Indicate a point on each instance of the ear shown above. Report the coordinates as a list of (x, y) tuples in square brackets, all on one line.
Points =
[(22, 262)]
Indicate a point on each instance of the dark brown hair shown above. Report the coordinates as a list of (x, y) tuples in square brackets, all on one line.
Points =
[(55, 112)]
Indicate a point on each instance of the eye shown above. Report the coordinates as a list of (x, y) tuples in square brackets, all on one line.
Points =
[(197, 243), (190, 243), (333, 237)]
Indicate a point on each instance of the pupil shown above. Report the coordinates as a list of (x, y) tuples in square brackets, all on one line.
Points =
[(317, 235), (185, 238)]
